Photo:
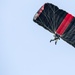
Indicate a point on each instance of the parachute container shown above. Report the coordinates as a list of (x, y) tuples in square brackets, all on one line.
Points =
[(57, 21)]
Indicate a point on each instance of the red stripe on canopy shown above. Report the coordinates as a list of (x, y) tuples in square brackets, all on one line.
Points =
[(64, 24)]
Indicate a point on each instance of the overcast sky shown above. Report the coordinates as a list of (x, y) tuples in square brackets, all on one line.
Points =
[(24, 46)]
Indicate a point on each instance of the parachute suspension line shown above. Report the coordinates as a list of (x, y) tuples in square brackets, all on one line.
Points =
[(53, 18), (45, 25), (47, 20), (61, 29), (56, 37)]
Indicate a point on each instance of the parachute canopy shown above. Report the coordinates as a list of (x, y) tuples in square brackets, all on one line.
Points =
[(57, 21)]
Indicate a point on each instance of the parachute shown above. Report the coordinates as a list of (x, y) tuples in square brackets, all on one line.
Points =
[(57, 21)]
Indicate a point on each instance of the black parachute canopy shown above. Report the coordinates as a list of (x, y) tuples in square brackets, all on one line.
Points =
[(57, 21)]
